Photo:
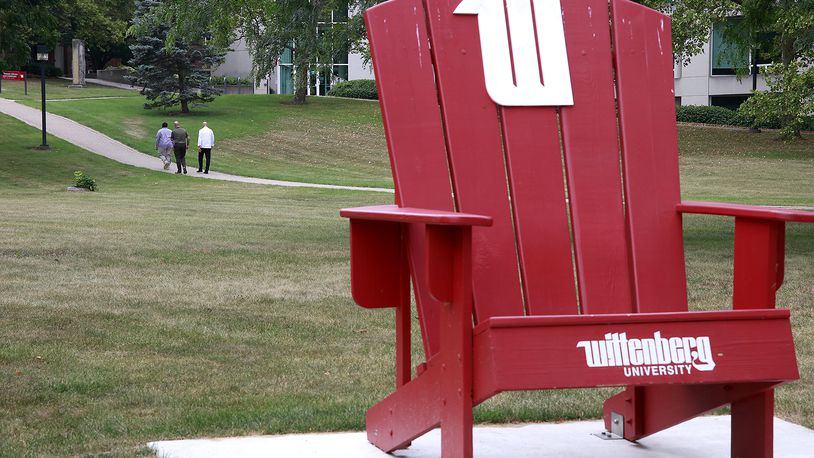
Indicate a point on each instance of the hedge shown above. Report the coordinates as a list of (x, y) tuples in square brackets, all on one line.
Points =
[(51, 71), (230, 81), (711, 115), (725, 117), (356, 89)]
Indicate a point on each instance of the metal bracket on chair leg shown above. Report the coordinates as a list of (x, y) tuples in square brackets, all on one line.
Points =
[(617, 428)]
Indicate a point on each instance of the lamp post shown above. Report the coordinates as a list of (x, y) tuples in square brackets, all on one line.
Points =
[(42, 57)]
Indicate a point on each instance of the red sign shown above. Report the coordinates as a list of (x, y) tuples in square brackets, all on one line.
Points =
[(14, 76)]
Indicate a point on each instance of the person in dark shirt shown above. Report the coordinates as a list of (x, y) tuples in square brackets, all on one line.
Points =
[(180, 142)]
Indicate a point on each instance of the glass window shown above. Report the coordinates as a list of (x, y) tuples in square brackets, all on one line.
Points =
[(766, 52), (340, 56), (286, 57), (286, 79), (341, 13), (321, 74), (728, 101), (325, 16), (341, 72), (727, 56)]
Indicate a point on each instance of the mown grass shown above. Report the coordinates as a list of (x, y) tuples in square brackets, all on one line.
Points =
[(738, 166), (341, 141), (329, 140), (166, 307), (58, 89)]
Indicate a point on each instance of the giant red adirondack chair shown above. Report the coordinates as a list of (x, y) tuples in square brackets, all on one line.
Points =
[(538, 216)]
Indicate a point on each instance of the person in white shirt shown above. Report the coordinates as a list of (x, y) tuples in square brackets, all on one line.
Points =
[(206, 141)]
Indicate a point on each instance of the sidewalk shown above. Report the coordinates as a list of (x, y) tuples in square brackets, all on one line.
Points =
[(702, 437), (106, 83), (101, 144)]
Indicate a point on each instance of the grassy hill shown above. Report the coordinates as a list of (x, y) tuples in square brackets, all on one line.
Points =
[(58, 89), (166, 307), (334, 141), (341, 141)]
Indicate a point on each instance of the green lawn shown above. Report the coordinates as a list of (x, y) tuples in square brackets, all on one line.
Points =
[(334, 141), (168, 307), (57, 89), (340, 141), (739, 166)]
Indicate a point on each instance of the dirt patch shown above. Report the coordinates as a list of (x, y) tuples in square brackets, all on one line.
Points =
[(136, 128)]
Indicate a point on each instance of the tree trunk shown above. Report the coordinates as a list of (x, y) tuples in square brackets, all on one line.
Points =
[(182, 90), (300, 84), (787, 56)]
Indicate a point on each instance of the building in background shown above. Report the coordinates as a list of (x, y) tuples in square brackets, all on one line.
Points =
[(710, 78), (344, 66)]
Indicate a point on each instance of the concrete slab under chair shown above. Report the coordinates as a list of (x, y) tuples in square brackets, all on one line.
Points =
[(703, 437)]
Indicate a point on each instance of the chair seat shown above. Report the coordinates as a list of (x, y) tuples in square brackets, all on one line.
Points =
[(541, 352)]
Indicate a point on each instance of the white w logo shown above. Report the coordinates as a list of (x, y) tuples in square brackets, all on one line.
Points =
[(540, 74)]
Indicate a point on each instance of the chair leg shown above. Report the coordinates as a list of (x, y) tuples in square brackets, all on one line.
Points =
[(412, 410), (456, 426), (456, 362), (653, 408), (753, 426), (456, 385)]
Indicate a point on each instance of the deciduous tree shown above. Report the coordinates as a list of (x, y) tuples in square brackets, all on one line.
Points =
[(22, 24), (780, 28), (269, 28)]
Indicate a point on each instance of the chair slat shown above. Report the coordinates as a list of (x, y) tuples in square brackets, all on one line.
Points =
[(415, 136), (534, 164), (591, 153), (644, 61), (475, 149)]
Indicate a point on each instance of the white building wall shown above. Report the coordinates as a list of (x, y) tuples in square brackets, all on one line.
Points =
[(357, 70), (694, 83), (239, 63)]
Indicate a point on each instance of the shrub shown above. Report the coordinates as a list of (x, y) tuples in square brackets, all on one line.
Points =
[(230, 81), (84, 181), (789, 103), (356, 89), (711, 115), (50, 71)]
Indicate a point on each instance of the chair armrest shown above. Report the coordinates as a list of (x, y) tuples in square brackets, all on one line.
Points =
[(395, 214), (379, 257), (746, 211), (759, 248)]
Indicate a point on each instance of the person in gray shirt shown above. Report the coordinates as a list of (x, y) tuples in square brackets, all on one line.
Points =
[(180, 142), (163, 144)]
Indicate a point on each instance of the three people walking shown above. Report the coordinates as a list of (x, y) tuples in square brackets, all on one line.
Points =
[(177, 140)]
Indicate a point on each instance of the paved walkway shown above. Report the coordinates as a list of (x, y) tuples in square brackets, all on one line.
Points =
[(106, 83), (77, 99), (101, 144), (703, 437)]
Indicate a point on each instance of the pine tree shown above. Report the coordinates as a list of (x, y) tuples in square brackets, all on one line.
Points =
[(170, 73)]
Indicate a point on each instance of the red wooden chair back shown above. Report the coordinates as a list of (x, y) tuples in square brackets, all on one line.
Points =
[(583, 197)]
